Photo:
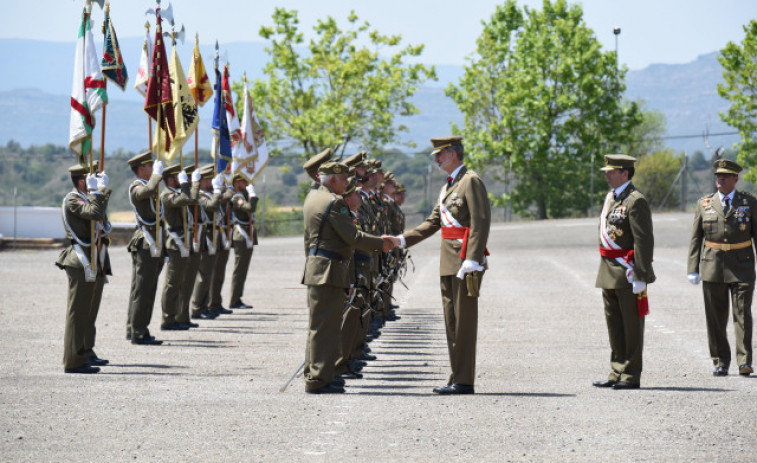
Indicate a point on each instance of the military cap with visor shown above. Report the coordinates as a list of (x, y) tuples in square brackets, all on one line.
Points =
[(441, 143), (332, 168), (356, 160), (142, 158), (206, 171), (724, 166), (617, 161), (318, 159), (79, 169)]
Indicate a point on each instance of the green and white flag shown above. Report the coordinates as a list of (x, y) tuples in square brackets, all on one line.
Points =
[(88, 93)]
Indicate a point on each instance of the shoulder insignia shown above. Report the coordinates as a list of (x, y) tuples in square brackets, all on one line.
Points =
[(344, 211)]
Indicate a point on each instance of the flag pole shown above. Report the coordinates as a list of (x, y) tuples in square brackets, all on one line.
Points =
[(216, 146), (246, 95), (92, 243)]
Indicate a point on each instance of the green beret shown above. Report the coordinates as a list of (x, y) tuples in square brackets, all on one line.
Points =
[(140, 159), (724, 166), (79, 169), (617, 161), (440, 143), (330, 168), (318, 159)]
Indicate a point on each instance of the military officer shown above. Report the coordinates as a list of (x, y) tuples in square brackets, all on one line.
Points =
[(176, 197), (223, 222), (626, 246), (145, 246), (463, 214), (84, 208), (721, 255), (193, 261), (330, 237), (211, 189), (244, 236)]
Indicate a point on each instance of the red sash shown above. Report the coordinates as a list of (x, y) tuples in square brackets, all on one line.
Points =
[(459, 233), (642, 303)]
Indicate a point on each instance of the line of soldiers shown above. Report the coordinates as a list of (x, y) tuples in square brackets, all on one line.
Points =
[(349, 274), (186, 231)]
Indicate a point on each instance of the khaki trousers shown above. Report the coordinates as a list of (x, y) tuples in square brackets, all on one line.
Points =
[(145, 271), (219, 274), (716, 312), (242, 258), (626, 331), (193, 263), (461, 322), (201, 290), (322, 350), (83, 304), (176, 271)]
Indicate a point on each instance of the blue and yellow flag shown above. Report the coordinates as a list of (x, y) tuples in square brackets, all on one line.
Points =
[(220, 126)]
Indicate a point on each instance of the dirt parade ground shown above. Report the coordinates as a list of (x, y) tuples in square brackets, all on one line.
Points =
[(212, 393)]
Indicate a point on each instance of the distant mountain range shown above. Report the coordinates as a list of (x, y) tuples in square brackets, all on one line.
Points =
[(35, 94)]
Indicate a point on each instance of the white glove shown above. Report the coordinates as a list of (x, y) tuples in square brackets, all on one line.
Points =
[(468, 266), (91, 181), (183, 178), (196, 176), (694, 278), (157, 167), (638, 287), (102, 180), (217, 183), (251, 190)]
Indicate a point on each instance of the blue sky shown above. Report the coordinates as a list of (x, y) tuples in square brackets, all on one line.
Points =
[(652, 31)]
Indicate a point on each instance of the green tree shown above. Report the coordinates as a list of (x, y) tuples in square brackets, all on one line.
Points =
[(698, 161), (646, 137), (541, 92), (337, 91), (740, 88), (654, 177)]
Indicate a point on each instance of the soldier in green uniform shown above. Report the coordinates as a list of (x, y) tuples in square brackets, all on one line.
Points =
[(223, 222), (176, 197), (463, 214), (399, 198), (84, 208), (244, 236), (330, 237), (721, 255), (211, 189), (626, 247), (146, 251), (193, 261)]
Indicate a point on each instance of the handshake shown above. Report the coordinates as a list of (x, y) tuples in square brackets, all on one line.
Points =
[(390, 242)]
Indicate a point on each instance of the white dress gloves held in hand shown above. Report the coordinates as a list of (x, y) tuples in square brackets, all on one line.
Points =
[(196, 176), (638, 287), (157, 167), (217, 183), (694, 278), (251, 190), (183, 178), (91, 182), (468, 266), (102, 180)]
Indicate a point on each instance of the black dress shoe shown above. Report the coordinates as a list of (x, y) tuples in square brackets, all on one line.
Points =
[(604, 383), (84, 369), (147, 341), (454, 389), (97, 362), (367, 357), (327, 389), (175, 326), (352, 375), (221, 310), (189, 324), (625, 385), (240, 305), (720, 371), (436, 390), (745, 370), (204, 315), (338, 382)]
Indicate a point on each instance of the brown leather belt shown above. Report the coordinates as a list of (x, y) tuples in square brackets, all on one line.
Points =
[(728, 246)]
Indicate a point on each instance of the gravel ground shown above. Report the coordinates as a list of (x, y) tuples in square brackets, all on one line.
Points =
[(212, 394)]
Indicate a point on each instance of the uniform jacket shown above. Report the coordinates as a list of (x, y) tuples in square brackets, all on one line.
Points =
[(339, 235), (710, 224), (209, 202), (629, 223), (142, 195), (468, 202), (243, 208), (80, 213), (174, 202)]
